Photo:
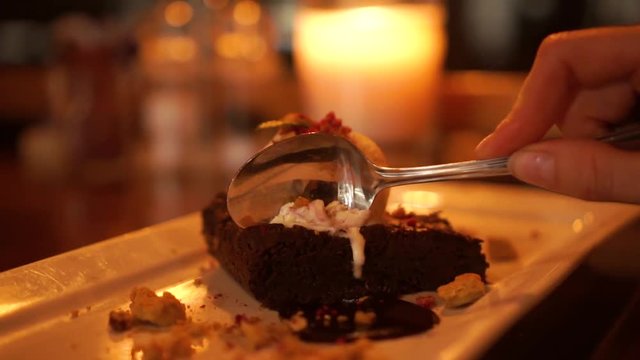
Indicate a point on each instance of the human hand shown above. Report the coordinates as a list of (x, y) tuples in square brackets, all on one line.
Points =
[(584, 82)]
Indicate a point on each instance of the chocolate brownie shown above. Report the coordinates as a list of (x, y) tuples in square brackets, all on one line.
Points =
[(288, 267)]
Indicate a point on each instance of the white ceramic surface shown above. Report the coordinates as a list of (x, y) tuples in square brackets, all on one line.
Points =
[(58, 308)]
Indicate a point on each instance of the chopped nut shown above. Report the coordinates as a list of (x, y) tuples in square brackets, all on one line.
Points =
[(297, 322), (174, 344), (364, 318), (465, 289), (161, 311)]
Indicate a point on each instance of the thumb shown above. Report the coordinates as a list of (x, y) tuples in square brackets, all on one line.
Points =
[(586, 169)]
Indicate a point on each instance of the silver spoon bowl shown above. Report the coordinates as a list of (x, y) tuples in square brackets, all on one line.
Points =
[(328, 167)]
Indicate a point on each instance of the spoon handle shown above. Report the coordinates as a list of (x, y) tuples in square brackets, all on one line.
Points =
[(454, 171), (477, 168)]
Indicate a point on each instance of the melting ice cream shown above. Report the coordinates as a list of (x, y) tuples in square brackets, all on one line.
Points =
[(334, 218)]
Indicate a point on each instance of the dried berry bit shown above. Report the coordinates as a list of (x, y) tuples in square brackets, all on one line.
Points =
[(427, 301), (465, 289), (300, 201), (330, 124)]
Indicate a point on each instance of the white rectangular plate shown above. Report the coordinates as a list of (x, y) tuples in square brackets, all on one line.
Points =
[(58, 308)]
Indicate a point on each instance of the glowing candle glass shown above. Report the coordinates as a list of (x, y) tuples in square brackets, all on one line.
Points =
[(376, 64)]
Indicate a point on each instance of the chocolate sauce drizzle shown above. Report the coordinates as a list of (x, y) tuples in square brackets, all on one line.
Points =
[(384, 318)]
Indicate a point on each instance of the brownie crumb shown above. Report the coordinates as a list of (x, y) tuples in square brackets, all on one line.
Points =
[(157, 310), (120, 320)]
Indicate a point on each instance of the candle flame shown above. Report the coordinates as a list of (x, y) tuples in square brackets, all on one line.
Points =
[(380, 34), (179, 49)]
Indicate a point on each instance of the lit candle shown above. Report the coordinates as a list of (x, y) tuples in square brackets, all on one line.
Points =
[(377, 66)]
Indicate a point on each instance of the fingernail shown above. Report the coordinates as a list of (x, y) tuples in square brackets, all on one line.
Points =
[(481, 148), (534, 167)]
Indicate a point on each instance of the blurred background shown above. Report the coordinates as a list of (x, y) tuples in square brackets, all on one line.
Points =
[(119, 114)]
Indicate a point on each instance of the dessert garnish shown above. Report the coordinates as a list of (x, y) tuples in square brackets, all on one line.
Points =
[(335, 218), (147, 308), (464, 290), (372, 318), (295, 124), (157, 333)]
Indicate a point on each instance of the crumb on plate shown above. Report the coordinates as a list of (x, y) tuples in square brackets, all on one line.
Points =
[(74, 314), (465, 289), (162, 310)]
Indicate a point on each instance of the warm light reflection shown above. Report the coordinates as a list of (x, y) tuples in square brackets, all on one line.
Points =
[(422, 199), (240, 46), (246, 12), (9, 307), (171, 48), (178, 13), (577, 225), (417, 201)]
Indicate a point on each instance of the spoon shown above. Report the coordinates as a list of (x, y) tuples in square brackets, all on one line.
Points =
[(329, 167)]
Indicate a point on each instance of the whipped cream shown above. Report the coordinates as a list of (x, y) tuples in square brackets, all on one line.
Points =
[(335, 218)]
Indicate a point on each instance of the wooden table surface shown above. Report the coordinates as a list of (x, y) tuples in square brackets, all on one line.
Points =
[(42, 218)]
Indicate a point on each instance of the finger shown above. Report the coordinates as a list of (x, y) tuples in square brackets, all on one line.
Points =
[(565, 63), (594, 110), (581, 168)]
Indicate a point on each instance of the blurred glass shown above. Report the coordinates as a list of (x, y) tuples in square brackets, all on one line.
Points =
[(88, 94), (175, 129), (249, 76)]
